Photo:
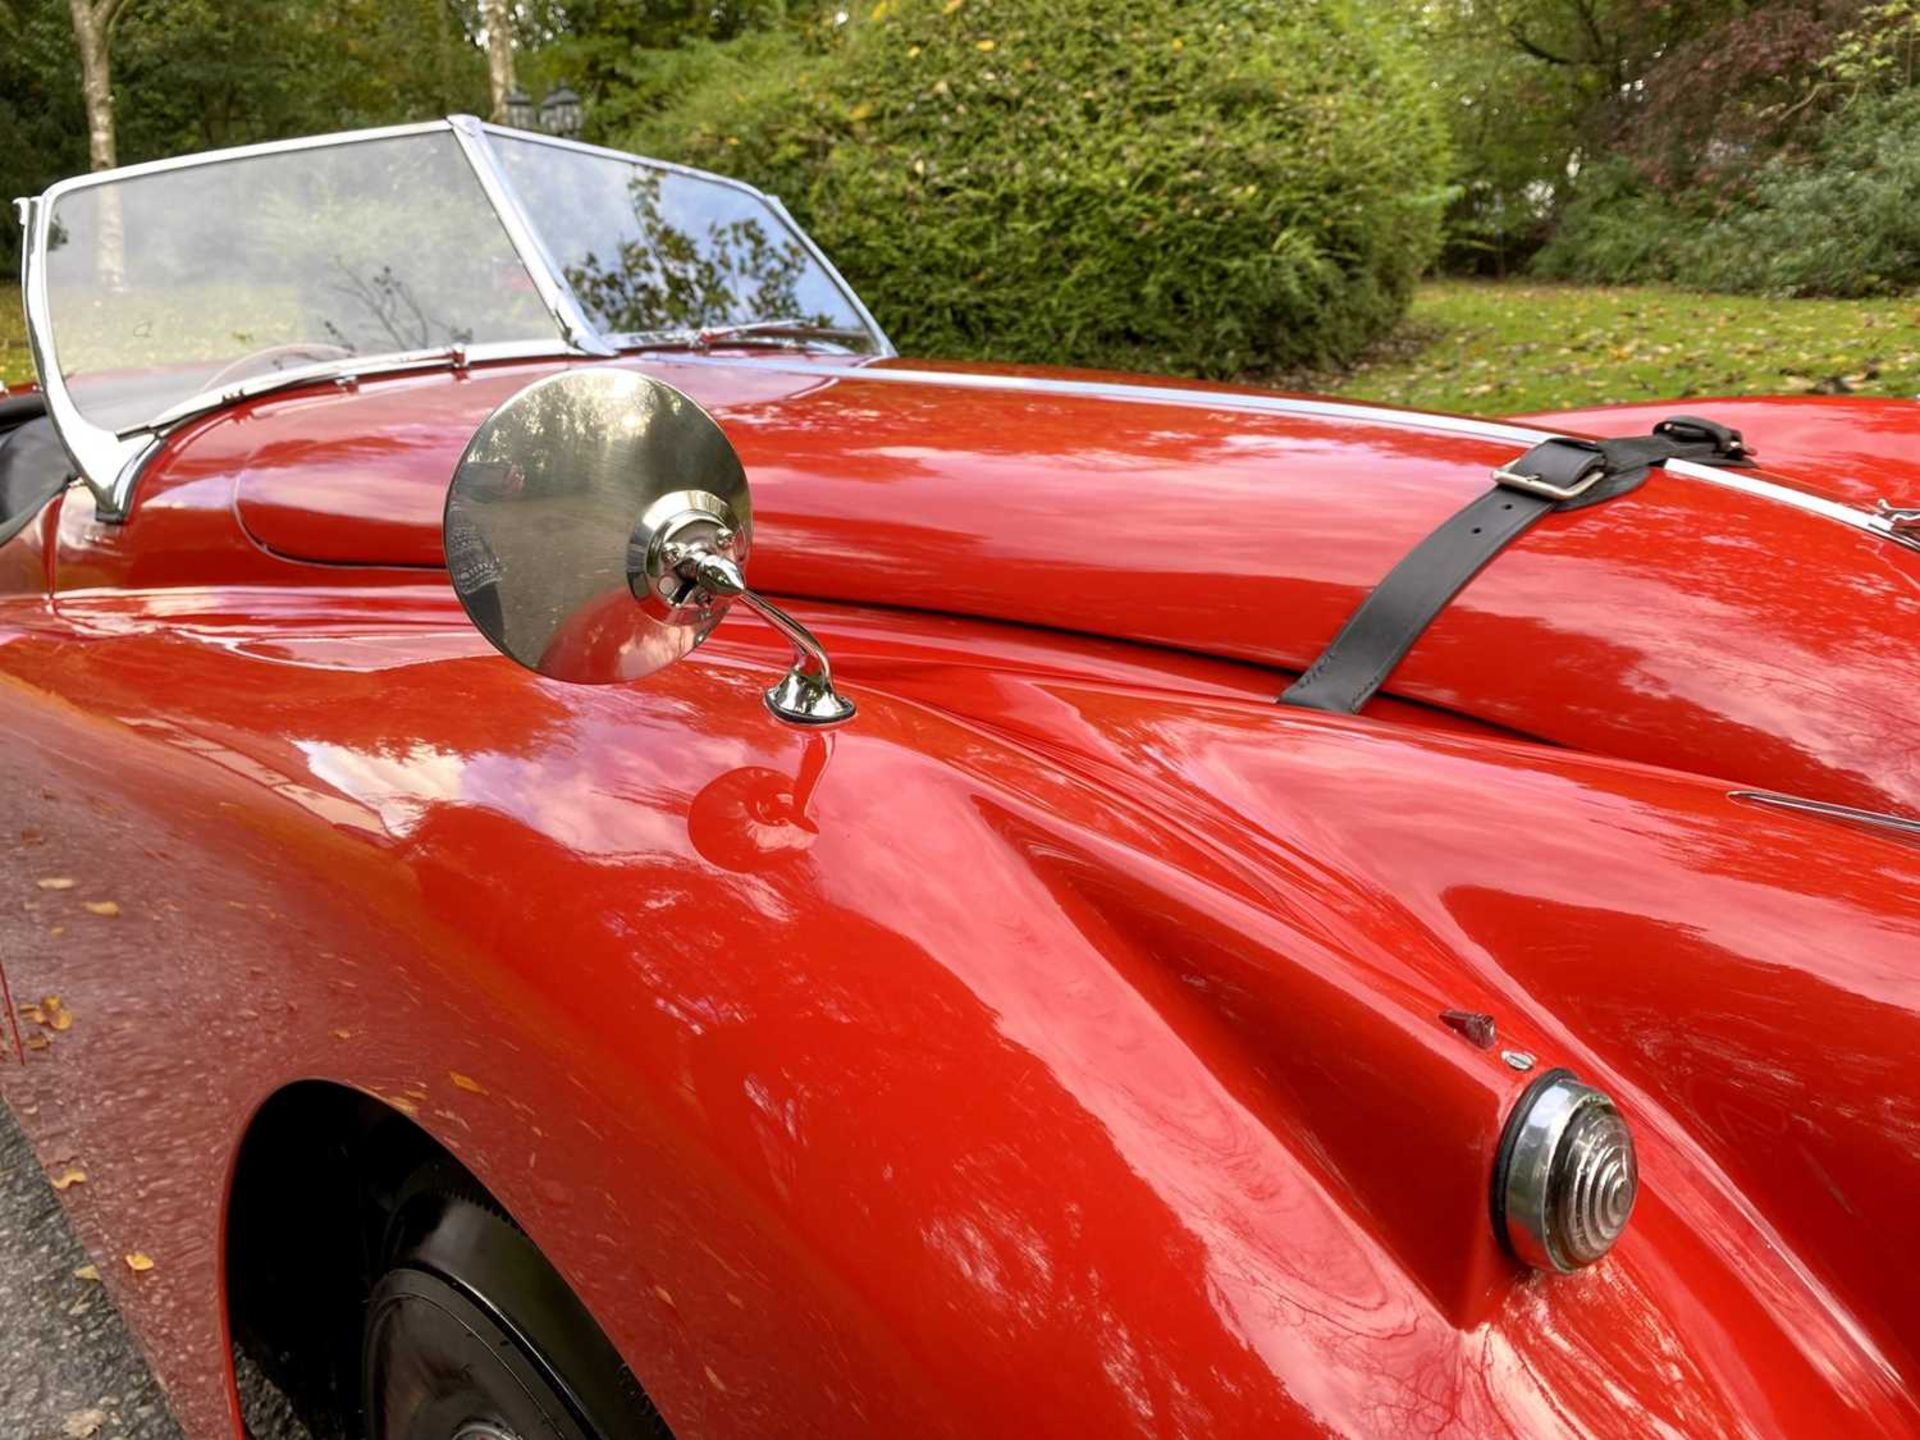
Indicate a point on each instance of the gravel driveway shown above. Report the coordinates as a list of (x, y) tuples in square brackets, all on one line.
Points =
[(68, 1368)]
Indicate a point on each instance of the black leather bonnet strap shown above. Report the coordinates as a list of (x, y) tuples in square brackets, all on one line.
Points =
[(1557, 474)]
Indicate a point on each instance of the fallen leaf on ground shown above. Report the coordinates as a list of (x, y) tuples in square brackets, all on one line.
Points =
[(56, 882), (88, 1272), (56, 1012), (82, 1424), (103, 907), (68, 1178), (38, 1042), (139, 1261)]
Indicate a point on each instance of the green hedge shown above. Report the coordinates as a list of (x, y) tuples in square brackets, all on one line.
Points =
[(1197, 186)]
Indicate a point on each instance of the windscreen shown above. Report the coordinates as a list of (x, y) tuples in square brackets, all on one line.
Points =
[(650, 250), (167, 285)]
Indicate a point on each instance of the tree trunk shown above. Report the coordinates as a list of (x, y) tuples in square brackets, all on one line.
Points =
[(92, 27), (499, 54), (96, 80)]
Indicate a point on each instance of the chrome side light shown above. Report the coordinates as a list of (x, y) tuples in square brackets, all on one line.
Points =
[(1565, 1179)]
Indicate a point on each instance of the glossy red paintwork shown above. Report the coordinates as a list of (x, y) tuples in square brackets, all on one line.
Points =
[(1056, 1049)]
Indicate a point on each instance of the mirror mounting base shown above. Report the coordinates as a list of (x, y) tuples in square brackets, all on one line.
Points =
[(805, 694)]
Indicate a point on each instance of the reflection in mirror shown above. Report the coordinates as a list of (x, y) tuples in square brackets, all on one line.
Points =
[(552, 490)]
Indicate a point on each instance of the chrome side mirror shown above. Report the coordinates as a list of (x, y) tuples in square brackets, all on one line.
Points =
[(597, 529)]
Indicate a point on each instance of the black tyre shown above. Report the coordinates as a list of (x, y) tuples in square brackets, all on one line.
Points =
[(472, 1335)]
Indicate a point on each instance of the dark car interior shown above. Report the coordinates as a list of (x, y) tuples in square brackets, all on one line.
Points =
[(33, 464)]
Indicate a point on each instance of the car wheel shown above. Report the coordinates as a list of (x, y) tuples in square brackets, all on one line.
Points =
[(471, 1335)]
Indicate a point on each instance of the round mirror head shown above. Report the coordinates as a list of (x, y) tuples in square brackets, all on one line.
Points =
[(569, 516)]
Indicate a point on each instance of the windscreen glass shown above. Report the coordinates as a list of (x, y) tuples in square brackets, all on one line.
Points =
[(650, 250), (165, 286)]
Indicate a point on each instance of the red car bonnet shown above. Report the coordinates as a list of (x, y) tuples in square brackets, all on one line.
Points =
[(1688, 624)]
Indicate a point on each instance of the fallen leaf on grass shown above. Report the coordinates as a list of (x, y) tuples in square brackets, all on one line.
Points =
[(88, 1272), (139, 1261), (103, 907), (69, 1177), (55, 882)]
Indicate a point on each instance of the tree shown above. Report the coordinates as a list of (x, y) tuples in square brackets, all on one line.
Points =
[(206, 74), (93, 32), (1559, 103), (499, 55), (43, 123), (93, 22)]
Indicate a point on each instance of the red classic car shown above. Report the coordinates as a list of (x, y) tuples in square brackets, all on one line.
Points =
[(1238, 915)]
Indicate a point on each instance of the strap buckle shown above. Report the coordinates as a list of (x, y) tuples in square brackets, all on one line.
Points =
[(1900, 524), (1901, 520), (1592, 475), (1697, 430)]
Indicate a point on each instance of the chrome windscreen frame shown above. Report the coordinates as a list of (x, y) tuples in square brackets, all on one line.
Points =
[(110, 461)]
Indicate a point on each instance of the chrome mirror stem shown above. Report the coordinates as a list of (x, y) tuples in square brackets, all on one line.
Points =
[(805, 695)]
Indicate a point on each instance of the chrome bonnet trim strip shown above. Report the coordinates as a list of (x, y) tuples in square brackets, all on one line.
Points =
[(1466, 426), (1875, 819)]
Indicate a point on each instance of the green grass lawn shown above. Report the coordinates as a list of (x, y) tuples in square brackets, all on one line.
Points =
[(1507, 348), (15, 363)]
